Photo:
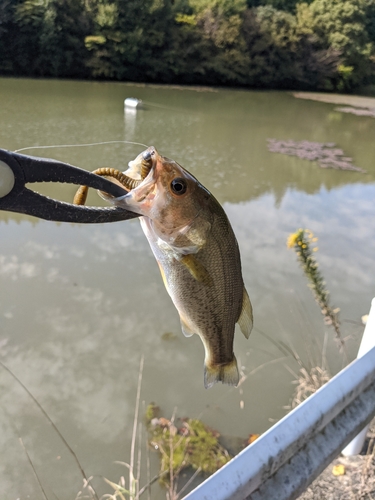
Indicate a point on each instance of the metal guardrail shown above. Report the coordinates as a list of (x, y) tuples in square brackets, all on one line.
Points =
[(289, 456)]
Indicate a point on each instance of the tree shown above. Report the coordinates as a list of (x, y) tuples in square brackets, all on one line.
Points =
[(7, 33), (283, 54), (219, 24), (46, 37), (285, 5), (342, 26), (129, 39)]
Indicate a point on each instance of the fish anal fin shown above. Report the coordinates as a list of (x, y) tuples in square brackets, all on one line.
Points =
[(246, 317), (196, 269), (226, 373), (186, 330)]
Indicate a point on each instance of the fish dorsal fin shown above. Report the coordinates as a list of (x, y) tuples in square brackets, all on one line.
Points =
[(196, 269), (186, 330), (246, 317)]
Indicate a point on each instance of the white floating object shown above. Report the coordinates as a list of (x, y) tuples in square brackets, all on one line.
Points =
[(133, 103)]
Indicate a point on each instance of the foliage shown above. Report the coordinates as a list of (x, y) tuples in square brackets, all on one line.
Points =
[(341, 25), (320, 44), (283, 54), (192, 444), (308, 381), (136, 35), (285, 5), (44, 38)]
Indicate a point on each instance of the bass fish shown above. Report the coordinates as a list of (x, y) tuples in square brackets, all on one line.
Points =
[(198, 256)]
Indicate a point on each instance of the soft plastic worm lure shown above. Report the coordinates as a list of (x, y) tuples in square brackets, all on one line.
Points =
[(127, 182)]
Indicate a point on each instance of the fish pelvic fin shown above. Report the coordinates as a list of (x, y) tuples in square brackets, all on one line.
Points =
[(186, 330), (227, 374), (196, 269), (246, 317)]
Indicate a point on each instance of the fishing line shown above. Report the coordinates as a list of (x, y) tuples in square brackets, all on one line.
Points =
[(170, 108), (81, 145), (167, 108)]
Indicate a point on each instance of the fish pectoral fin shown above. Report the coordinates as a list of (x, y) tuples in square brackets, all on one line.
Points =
[(227, 374), (196, 269), (164, 278), (186, 330), (246, 317)]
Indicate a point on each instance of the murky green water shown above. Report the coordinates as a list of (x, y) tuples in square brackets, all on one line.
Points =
[(80, 305)]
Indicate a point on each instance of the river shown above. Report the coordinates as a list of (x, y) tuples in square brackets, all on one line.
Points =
[(80, 305)]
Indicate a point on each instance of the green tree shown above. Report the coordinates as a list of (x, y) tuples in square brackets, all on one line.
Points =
[(342, 25), (129, 39), (320, 44), (286, 5), (7, 29), (46, 37), (63, 45), (219, 26), (370, 20), (283, 54)]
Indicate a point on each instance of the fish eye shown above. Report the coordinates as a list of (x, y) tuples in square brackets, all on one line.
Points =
[(178, 186)]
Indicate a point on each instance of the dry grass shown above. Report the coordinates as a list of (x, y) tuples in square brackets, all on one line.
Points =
[(358, 482), (308, 382)]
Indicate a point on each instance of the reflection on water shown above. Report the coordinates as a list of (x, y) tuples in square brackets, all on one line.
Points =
[(80, 304)]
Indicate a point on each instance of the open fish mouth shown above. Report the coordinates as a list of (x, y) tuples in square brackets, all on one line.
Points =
[(137, 172)]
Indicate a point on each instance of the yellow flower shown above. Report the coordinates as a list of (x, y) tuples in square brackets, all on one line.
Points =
[(292, 240)]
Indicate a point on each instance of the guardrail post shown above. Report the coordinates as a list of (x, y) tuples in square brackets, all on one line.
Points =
[(368, 341)]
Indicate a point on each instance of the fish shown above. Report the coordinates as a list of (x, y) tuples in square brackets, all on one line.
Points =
[(198, 256)]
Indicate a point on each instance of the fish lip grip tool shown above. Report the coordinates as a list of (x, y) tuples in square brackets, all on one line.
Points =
[(17, 170)]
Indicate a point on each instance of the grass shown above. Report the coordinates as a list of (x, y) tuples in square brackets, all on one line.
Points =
[(307, 383)]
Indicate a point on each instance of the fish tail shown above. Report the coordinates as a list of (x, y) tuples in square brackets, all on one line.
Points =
[(227, 374)]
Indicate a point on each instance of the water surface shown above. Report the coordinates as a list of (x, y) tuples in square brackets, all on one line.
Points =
[(80, 305)]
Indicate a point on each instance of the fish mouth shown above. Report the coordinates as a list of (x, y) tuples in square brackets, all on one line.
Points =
[(140, 167), (138, 198), (141, 171), (138, 170)]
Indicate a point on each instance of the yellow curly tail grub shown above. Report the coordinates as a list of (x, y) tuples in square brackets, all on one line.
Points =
[(127, 182)]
